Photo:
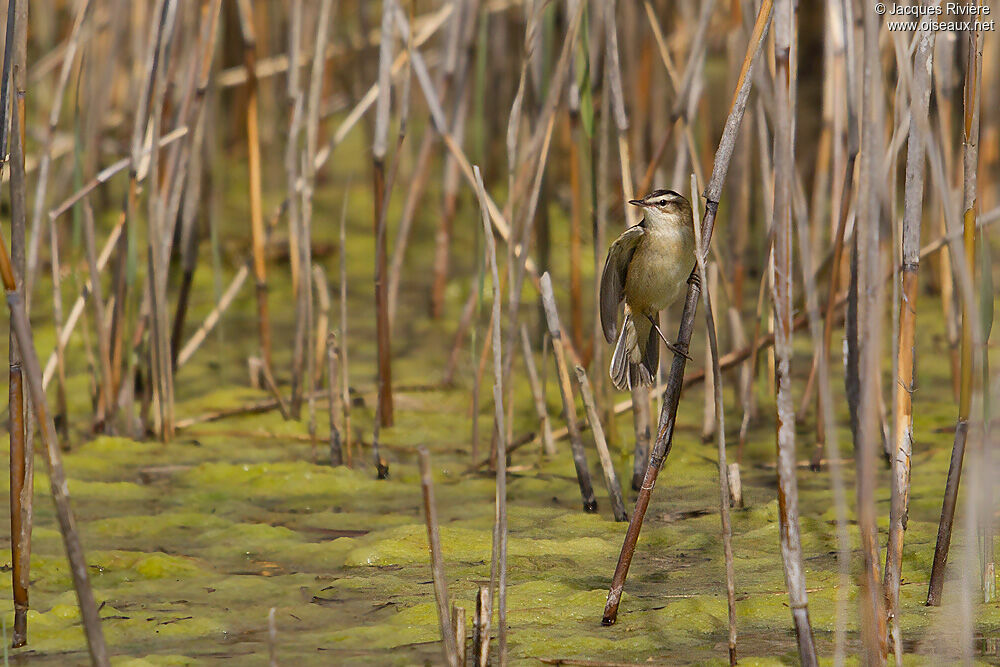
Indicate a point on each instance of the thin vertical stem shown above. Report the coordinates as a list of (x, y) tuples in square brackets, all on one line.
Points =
[(437, 559), (906, 360), (379, 149), (720, 433), (19, 418), (869, 323), (566, 391), (970, 150), (610, 478), (245, 10), (498, 571), (345, 376), (781, 286), (537, 393)]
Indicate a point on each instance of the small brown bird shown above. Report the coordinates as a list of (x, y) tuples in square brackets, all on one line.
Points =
[(647, 267)]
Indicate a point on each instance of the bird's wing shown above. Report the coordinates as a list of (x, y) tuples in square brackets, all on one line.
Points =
[(613, 278)]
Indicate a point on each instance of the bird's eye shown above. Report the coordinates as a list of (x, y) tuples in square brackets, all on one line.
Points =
[(663, 202)]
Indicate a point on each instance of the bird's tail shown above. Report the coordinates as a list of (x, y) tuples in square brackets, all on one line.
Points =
[(632, 364)]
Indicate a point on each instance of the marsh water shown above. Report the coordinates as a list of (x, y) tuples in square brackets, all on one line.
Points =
[(190, 543)]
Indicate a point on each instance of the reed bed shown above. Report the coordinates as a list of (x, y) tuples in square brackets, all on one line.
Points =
[(380, 171)]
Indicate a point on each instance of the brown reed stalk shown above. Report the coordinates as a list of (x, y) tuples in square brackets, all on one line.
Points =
[(158, 250), (72, 44), (781, 286), (906, 350), (345, 376), (305, 236), (566, 392), (322, 329), (671, 400), (333, 398), (19, 410), (246, 19), (720, 431), (599, 187), (437, 559), (199, 336), (295, 102), (454, 74), (641, 428), (946, 83), (418, 184), (607, 465), (538, 394), (481, 628), (189, 238), (708, 418), (747, 394), (108, 172), (57, 476), (272, 638), (61, 417), (869, 279), (379, 149), (458, 621), (575, 222), (498, 568), (970, 155)]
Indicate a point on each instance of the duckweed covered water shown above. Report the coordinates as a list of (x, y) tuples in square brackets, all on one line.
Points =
[(190, 543)]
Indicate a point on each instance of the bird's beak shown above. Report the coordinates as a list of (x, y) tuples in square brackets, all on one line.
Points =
[(638, 202)]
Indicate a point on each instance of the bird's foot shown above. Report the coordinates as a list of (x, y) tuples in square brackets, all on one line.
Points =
[(676, 349)]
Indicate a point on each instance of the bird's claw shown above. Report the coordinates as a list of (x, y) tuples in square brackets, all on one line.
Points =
[(670, 346), (677, 350)]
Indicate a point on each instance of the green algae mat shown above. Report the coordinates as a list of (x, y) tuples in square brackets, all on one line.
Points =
[(191, 543)]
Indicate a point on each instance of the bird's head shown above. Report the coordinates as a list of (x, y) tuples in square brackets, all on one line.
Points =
[(665, 207)]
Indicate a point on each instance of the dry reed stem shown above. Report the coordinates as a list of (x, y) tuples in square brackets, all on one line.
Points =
[(333, 397), (379, 198), (906, 347), (566, 392), (272, 638), (481, 628), (437, 559), (57, 476), (458, 621), (345, 376), (869, 279), (781, 286), (322, 329), (607, 465), (295, 102), (965, 269), (545, 424), (498, 569), (72, 44), (720, 432), (19, 425), (105, 174), (199, 336), (246, 20)]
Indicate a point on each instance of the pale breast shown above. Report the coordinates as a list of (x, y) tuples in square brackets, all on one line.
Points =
[(658, 272)]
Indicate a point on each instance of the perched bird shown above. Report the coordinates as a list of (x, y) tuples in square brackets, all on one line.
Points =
[(647, 267)]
